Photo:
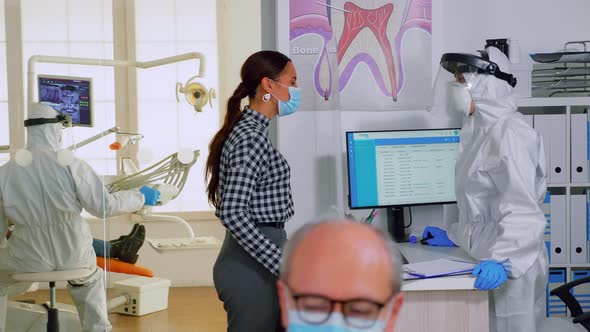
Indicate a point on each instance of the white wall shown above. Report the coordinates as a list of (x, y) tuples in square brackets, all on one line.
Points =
[(313, 142), (539, 25), (239, 35)]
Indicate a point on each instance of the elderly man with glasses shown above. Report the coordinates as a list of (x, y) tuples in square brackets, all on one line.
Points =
[(340, 276)]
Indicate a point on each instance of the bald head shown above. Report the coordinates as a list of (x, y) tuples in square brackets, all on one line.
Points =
[(341, 259)]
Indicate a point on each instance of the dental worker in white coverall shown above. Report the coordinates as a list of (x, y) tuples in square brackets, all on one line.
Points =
[(44, 200), (500, 184)]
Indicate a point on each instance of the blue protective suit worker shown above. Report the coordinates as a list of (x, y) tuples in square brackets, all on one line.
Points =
[(500, 184), (44, 200)]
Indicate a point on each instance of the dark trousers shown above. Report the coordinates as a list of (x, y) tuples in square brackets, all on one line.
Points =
[(247, 289)]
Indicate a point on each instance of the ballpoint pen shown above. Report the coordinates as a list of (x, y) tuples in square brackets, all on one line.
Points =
[(373, 216), (369, 218), (428, 237)]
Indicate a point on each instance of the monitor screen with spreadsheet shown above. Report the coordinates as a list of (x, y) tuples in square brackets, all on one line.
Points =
[(401, 167)]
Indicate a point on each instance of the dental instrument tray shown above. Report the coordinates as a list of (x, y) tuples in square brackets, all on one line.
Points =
[(564, 73), (561, 57), (187, 243)]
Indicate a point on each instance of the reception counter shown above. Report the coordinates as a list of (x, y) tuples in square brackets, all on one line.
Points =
[(441, 304)]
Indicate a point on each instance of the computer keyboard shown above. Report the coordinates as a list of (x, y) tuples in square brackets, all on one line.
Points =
[(201, 242)]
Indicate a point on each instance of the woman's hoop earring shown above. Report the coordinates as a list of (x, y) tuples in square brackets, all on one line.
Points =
[(266, 97)]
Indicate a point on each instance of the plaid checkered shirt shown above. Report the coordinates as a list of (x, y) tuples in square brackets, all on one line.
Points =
[(254, 187)]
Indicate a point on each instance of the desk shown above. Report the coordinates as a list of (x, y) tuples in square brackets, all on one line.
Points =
[(441, 304)]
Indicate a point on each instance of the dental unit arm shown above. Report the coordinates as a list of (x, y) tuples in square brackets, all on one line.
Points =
[(169, 176), (127, 138), (108, 63)]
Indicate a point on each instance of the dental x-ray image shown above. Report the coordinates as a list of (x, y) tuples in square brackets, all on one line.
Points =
[(69, 96)]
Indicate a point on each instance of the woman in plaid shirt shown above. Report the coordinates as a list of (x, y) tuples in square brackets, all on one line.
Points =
[(249, 185)]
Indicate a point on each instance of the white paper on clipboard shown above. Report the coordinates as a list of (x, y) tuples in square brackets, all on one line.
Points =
[(437, 268)]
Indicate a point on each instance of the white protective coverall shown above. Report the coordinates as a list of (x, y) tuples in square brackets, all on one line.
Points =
[(500, 184), (44, 200)]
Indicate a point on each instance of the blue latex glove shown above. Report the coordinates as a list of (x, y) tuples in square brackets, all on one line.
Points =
[(489, 274), (151, 195), (435, 236)]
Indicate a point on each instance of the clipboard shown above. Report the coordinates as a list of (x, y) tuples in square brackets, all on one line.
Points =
[(437, 268)]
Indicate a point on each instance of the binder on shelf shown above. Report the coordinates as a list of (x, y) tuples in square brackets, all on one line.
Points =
[(588, 218), (558, 233), (581, 292), (578, 229), (555, 307), (547, 212), (579, 148), (552, 128)]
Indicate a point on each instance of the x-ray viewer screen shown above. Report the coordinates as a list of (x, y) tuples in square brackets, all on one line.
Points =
[(398, 168), (68, 95)]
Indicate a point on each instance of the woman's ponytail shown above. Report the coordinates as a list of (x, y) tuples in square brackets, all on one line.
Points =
[(232, 116)]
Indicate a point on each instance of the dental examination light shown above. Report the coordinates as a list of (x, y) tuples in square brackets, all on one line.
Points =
[(195, 93)]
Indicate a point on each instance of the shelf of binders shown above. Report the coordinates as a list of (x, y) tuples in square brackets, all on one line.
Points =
[(568, 185), (558, 185), (563, 123), (556, 101), (571, 266)]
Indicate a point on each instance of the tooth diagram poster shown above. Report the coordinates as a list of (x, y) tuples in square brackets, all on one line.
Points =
[(362, 55)]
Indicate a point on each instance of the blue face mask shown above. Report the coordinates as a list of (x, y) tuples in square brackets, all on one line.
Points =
[(335, 323), (291, 105)]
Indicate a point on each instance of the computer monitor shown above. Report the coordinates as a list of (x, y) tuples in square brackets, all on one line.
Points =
[(68, 95), (397, 168)]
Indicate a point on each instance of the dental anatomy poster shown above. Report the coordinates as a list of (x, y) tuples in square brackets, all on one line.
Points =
[(362, 55)]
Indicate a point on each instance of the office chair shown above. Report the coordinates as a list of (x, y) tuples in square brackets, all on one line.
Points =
[(564, 293)]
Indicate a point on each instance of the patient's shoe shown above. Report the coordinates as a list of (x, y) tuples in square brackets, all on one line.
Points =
[(123, 237), (126, 249)]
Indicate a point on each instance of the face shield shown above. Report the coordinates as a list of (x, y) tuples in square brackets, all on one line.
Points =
[(64, 119), (41, 114), (452, 94)]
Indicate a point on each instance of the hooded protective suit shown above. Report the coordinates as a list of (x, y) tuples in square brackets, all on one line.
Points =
[(500, 183), (44, 200)]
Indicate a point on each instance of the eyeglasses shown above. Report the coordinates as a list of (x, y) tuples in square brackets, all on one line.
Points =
[(357, 313)]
